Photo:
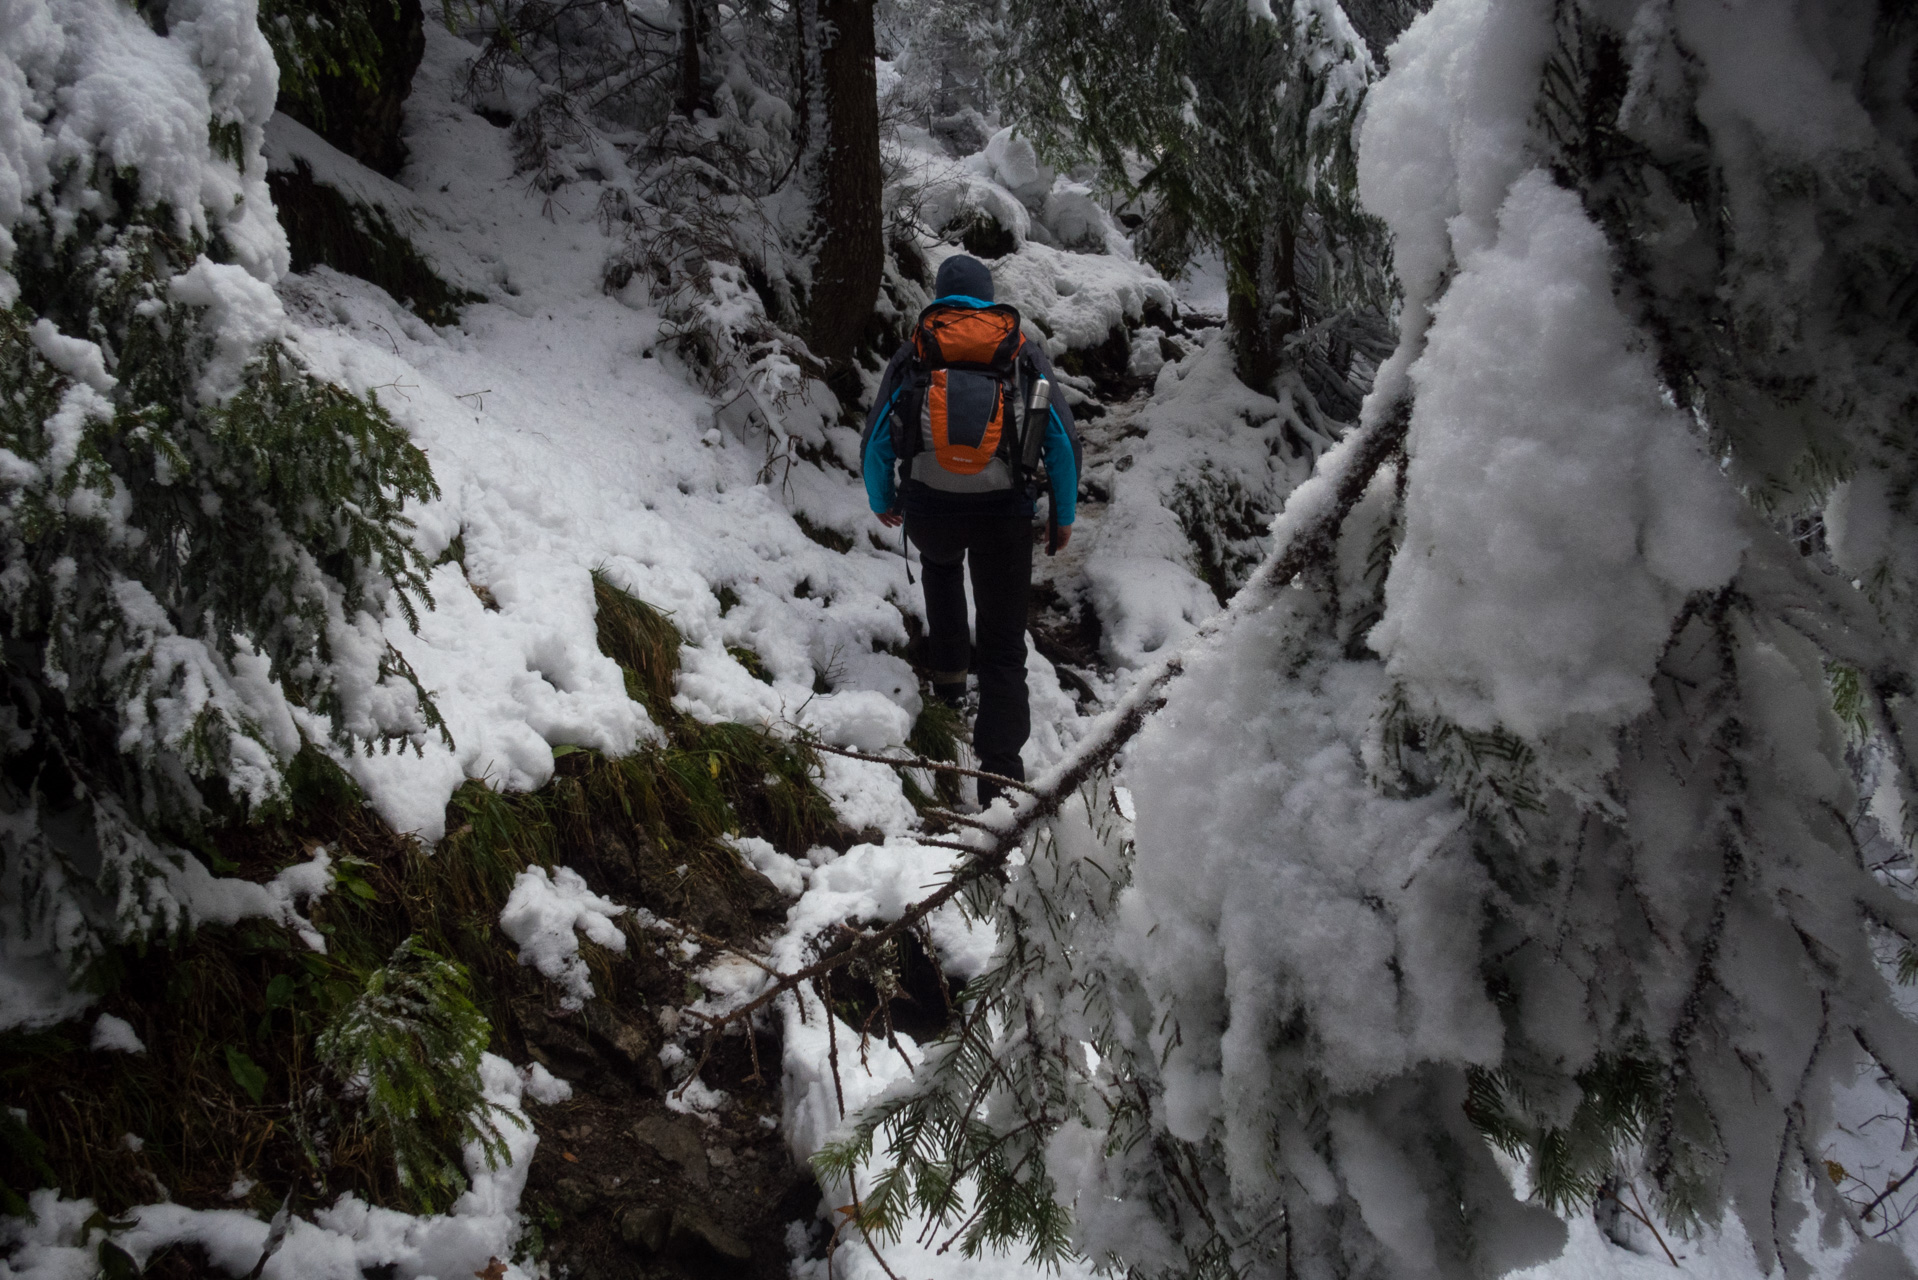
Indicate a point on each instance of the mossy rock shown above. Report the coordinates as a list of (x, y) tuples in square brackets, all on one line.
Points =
[(983, 235), (324, 228), (1108, 365)]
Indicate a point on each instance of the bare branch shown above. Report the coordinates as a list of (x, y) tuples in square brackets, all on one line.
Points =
[(920, 762)]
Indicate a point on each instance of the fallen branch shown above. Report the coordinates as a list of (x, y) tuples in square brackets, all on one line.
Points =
[(920, 762), (1890, 1189), (984, 861), (1304, 535)]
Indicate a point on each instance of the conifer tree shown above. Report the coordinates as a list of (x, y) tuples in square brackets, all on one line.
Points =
[(202, 535)]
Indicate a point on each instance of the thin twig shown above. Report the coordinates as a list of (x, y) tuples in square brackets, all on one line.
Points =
[(960, 819), (920, 762), (859, 1220), (1640, 1214), (824, 987), (1890, 1189)]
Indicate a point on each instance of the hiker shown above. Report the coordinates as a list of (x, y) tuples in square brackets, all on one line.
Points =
[(952, 411)]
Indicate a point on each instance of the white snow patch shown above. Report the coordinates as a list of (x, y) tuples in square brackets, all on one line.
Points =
[(1560, 508), (542, 916), (61, 1240), (116, 1035), (788, 875), (543, 1086)]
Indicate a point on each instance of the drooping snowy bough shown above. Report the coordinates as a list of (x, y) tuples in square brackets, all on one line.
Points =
[(1558, 803)]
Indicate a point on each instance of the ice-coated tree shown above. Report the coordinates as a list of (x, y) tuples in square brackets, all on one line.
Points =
[(1233, 121), (1538, 821), (202, 535)]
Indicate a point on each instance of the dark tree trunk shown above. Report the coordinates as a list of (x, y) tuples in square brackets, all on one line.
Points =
[(691, 32), (847, 270), (1262, 300), (1244, 316)]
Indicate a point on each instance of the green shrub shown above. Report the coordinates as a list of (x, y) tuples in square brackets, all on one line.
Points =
[(409, 1046)]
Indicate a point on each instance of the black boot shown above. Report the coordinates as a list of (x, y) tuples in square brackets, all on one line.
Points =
[(953, 695), (1006, 767)]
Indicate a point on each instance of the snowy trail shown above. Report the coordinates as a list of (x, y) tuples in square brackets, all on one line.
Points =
[(563, 442)]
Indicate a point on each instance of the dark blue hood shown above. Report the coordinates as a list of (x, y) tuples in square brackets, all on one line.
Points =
[(965, 276)]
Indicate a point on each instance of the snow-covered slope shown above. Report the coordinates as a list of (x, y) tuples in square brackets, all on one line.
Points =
[(563, 443)]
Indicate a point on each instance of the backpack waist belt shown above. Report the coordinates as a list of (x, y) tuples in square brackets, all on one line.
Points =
[(995, 477)]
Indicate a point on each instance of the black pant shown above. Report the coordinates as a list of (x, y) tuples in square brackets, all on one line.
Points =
[(1000, 547)]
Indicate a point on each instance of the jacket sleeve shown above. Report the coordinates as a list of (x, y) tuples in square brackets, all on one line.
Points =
[(1061, 449), (1062, 464), (875, 451)]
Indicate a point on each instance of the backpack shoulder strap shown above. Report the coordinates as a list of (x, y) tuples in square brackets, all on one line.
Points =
[(913, 380)]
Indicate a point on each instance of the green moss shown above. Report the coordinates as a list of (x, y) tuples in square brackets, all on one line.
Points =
[(936, 735), (642, 640), (755, 666), (938, 731), (250, 1035), (831, 539), (455, 552)]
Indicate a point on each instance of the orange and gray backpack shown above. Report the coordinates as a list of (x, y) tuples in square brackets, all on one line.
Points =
[(956, 418)]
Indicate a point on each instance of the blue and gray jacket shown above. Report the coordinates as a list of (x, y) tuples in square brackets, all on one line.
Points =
[(880, 461)]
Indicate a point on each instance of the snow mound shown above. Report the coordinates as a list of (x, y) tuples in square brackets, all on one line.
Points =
[(116, 1035), (1561, 506)]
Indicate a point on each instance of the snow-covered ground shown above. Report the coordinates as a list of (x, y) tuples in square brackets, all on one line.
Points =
[(564, 441)]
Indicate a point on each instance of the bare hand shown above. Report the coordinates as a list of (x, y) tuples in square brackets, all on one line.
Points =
[(1065, 535), (892, 519)]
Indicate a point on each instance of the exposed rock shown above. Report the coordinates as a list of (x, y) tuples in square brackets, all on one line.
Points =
[(694, 1233), (576, 1196), (325, 228), (645, 1227), (634, 1045), (982, 235), (677, 1140), (1108, 365)]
